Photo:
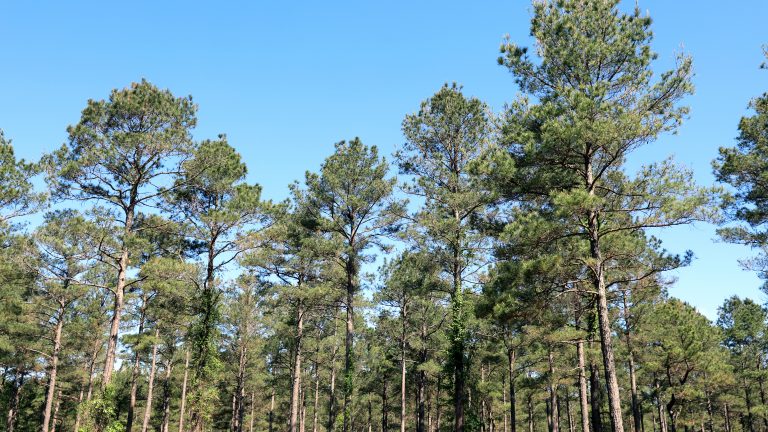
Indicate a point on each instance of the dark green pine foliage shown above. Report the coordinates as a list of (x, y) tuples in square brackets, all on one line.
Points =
[(117, 156), (745, 168), (449, 134), (590, 99), (351, 199), (212, 198)]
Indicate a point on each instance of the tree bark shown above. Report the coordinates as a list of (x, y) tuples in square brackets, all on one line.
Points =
[(13, 403), (135, 371), (596, 397), (351, 270), (583, 402), (53, 368), (403, 315), (317, 395), (166, 396), (151, 384), (637, 415), (119, 293), (296, 385), (511, 358), (183, 403), (553, 405), (604, 323)]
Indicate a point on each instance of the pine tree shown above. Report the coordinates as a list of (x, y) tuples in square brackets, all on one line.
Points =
[(444, 139), (351, 199), (592, 102), (117, 155)]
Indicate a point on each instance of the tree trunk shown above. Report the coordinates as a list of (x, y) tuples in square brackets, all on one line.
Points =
[(272, 410), (659, 406), (55, 419), (403, 314), (135, 371), (637, 415), (296, 385), (351, 270), (384, 406), (53, 369), (13, 403), (584, 404), (117, 310), (530, 413), (727, 418), (151, 384), (239, 413), (596, 397), (182, 411), (317, 395), (748, 400), (604, 323), (553, 405), (571, 426), (332, 389), (457, 348), (166, 396), (511, 358), (253, 406)]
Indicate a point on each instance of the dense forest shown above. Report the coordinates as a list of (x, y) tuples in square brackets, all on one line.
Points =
[(498, 273)]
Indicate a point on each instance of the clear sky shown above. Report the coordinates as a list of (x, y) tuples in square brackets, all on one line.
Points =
[(285, 80)]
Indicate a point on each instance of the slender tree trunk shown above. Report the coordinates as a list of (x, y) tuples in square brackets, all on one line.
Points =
[(332, 390), (727, 418), (117, 310), (504, 400), (571, 426), (351, 270), (596, 397), (530, 413), (239, 412), (91, 369), (511, 358), (403, 315), (135, 371), (438, 405), (459, 387), (604, 323), (553, 405), (384, 406), (53, 368), (659, 406), (296, 385), (13, 403), (166, 396), (57, 406), (151, 384), (317, 395), (182, 412), (637, 414), (272, 410), (748, 401), (253, 406), (583, 402), (303, 420)]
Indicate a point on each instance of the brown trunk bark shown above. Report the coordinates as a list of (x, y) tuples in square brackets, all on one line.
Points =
[(351, 270), (53, 368), (272, 410), (13, 403), (604, 324), (117, 310), (136, 370), (296, 385), (316, 404), (571, 426), (583, 402), (553, 405), (384, 407), (403, 315), (167, 396), (596, 397), (57, 406), (511, 358), (182, 407), (637, 415), (253, 406), (151, 384)]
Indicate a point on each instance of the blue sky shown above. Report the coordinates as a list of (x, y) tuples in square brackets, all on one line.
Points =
[(285, 80)]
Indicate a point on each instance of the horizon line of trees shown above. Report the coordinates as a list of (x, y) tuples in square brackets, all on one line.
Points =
[(507, 281)]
